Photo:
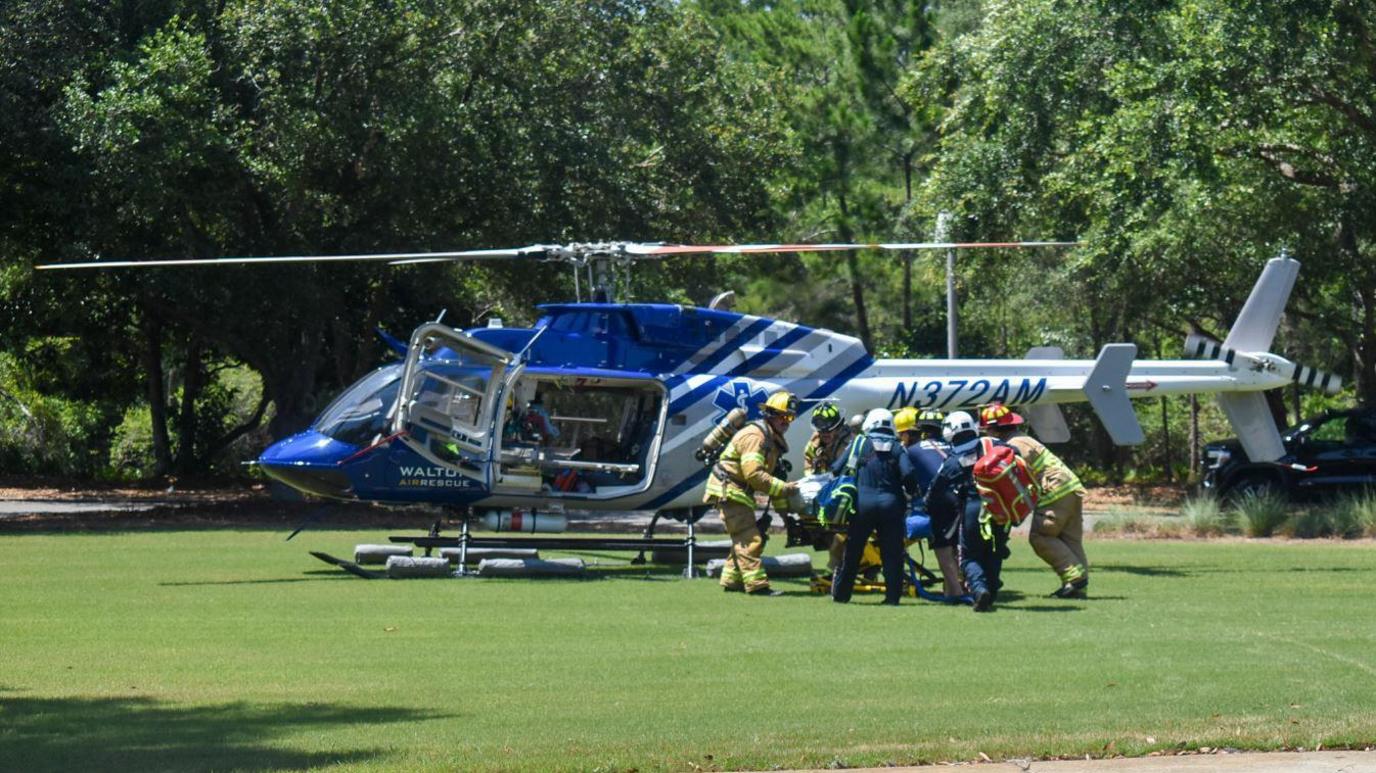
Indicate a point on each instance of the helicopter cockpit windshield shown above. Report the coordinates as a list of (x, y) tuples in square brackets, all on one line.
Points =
[(363, 412)]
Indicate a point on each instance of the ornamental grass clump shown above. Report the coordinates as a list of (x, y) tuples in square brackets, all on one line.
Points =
[(1261, 512), (1354, 515), (1206, 517)]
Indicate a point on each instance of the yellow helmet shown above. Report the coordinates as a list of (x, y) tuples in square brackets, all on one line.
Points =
[(781, 403), (905, 420)]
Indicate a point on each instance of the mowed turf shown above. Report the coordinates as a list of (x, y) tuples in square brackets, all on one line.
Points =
[(234, 650)]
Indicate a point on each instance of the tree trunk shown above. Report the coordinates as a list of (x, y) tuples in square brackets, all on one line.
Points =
[(857, 289), (1366, 355), (292, 388), (157, 395), (193, 382), (1195, 472)]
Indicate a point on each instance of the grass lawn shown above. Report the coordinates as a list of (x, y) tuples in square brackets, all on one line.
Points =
[(234, 650)]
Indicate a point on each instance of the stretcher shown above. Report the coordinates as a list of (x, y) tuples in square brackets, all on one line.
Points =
[(808, 531)]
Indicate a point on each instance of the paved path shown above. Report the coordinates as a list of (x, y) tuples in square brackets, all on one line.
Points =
[(1250, 762), (11, 507)]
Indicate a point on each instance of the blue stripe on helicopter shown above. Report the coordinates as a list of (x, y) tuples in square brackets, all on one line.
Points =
[(757, 360), (678, 490), (696, 393), (770, 352), (730, 347), (835, 382), (825, 390)]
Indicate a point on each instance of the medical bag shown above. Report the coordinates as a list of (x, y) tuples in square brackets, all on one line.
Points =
[(1005, 484)]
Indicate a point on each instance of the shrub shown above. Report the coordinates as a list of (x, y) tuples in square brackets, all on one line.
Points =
[(1354, 515), (1206, 516), (1261, 512)]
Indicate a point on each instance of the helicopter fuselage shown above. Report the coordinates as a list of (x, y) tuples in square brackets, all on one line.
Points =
[(602, 406)]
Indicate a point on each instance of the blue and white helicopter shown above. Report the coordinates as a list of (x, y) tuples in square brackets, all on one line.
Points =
[(602, 406)]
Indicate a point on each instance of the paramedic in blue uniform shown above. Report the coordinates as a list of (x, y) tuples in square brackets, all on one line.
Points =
[(884, 479), (915, 430), (983, 543)]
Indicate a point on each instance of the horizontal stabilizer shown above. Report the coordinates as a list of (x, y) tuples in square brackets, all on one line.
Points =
[(1046, 418), (1251, 420), (1106, 390)]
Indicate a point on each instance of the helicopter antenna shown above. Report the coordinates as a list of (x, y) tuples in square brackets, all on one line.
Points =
[(440, 318)]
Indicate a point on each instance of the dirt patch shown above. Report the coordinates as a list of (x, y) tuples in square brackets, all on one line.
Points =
[(1109, 497)]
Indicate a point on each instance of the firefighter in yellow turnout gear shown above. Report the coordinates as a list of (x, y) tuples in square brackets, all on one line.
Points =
[(1057, 529), (831, 437), (745, 468)]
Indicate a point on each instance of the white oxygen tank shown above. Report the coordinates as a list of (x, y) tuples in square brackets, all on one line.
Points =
[(524, 521)]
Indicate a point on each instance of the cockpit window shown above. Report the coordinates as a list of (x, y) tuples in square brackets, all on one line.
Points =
[(362, 413)]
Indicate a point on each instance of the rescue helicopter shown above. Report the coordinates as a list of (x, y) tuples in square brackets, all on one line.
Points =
[(603, 405)]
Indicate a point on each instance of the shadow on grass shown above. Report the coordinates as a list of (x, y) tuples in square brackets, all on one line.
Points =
[(331, 576), (1144, 571), (39, 734), (1363, 569)]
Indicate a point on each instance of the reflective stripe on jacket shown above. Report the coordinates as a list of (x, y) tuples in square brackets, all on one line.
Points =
[(1053, 477), (747, 465)]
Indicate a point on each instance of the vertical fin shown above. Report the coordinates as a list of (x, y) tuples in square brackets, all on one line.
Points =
[(1251, 419), (1255, 326)]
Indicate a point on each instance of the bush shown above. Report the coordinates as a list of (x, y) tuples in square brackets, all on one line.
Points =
[(1348, 516), (1207, 518), (1261, 512)]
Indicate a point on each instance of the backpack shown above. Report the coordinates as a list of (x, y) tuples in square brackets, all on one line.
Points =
[(1005, 484), (836, 500)]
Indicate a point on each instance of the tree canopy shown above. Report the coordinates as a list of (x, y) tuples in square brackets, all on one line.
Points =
[(1180, 143)]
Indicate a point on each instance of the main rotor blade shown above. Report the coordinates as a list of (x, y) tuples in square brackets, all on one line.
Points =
[(396, 257), (730, 249), (550, 252)]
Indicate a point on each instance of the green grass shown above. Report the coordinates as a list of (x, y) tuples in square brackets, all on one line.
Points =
[(232, 650)]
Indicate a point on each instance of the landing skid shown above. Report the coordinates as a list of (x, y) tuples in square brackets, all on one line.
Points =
[(466, 540)]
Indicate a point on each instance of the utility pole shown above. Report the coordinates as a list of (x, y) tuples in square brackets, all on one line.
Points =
[(943, 234)]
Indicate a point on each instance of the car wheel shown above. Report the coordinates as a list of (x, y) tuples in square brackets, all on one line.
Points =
[(1256, 484)]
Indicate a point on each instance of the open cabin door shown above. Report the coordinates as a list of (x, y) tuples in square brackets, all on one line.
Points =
[(450, 403), (579, 437)]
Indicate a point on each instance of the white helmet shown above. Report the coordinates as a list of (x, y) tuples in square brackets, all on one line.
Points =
[(878, 427), (879, 421), (959, 430)]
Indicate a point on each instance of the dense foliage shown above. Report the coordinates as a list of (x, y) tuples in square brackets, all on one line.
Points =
[(1181, 143)]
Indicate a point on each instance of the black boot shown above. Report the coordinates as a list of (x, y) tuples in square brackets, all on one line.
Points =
[(984, 601), (1075, 589)]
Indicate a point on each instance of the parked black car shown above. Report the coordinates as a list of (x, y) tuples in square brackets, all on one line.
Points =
[(1328, 454)]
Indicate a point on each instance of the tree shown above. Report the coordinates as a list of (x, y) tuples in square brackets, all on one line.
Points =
[(840, 64), (203, 129)]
